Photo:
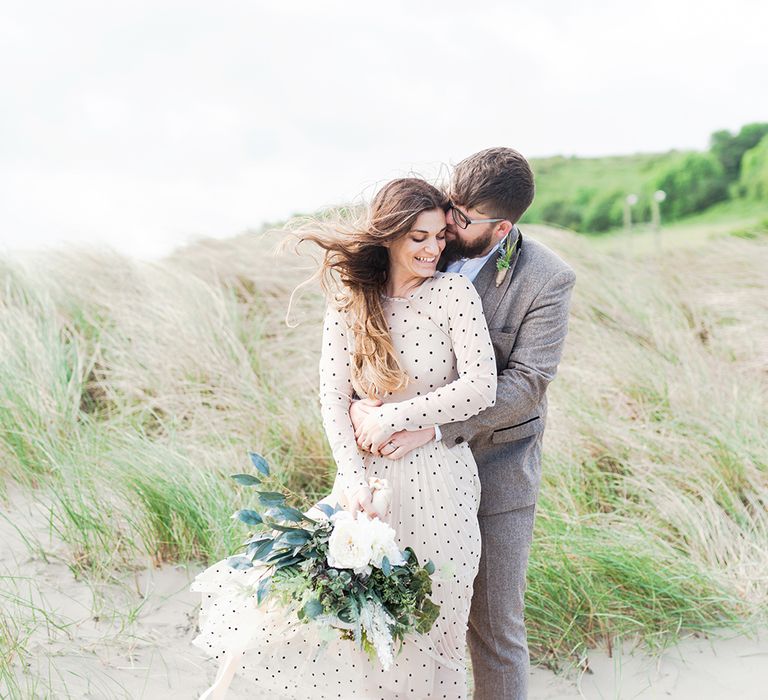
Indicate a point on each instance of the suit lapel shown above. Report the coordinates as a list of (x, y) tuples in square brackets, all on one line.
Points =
[(485, 282)]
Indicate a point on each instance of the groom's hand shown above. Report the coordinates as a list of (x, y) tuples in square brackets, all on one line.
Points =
[(400, 444)]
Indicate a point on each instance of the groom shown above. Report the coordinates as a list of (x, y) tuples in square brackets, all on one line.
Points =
[(526, 309)]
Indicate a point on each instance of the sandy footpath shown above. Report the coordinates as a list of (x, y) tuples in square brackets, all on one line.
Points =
[(697, 668), (130, 638)]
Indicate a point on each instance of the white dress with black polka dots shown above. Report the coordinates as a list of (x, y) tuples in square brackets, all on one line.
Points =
[(443, 344)]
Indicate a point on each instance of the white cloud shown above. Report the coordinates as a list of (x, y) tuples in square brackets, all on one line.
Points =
[(141, 124)]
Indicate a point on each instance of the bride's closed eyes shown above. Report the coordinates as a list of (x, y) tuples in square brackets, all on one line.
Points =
[(440, 236)]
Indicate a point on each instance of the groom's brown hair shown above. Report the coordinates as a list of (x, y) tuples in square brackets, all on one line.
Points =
[(497, 179)]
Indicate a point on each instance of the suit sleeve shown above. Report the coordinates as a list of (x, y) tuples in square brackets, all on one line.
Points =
[(532, 364), (475, 387), (335, 396)]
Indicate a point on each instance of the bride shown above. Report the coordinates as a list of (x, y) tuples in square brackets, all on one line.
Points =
[(399, 331)]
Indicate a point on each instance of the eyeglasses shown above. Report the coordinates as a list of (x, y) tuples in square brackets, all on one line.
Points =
[(462, 220)]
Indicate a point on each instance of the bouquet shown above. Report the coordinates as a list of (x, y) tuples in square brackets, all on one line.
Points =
[(339, 570)]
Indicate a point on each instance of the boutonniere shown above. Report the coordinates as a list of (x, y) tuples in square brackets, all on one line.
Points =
[(503, 262)]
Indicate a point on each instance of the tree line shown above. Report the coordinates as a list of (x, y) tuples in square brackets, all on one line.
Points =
[(734, 167)]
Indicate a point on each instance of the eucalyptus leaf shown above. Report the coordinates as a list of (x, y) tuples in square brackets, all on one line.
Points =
[(298, 537), (271, 498), (325, 508), (386, 567), (429, 567), (291, 514), (278, 553), (263, 590), (262, 549), (259, 462), (246, 479), (288, 562), (249, 517), (257, 538)]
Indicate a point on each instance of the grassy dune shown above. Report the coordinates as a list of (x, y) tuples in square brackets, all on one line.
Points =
[(130, 390)]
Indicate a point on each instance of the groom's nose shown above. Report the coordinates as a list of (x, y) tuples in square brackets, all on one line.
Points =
[(450, 224)]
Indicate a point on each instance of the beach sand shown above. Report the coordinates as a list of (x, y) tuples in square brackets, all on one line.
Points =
[(130, 637)]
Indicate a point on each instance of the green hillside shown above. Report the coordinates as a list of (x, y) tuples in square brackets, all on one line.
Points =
[(588, 194), (567, 189)]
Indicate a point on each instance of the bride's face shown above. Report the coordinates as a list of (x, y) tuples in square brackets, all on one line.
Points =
[(416, 253)]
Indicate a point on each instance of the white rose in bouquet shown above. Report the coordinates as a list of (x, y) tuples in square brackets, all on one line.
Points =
[(349, 546), (382, 539), (359, 542)]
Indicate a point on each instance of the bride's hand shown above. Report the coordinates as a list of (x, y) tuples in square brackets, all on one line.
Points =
[(359, 409), (370, 435), (362, 499)]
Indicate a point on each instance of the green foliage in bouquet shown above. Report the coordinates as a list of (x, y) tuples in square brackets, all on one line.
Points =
[(377, 605)]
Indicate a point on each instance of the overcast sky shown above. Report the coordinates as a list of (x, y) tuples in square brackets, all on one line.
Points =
[(145, 124)]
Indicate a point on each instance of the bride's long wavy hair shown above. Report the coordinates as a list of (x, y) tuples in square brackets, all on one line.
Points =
[(354, 269)]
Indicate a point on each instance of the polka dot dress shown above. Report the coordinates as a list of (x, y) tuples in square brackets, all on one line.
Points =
[(442, 341)]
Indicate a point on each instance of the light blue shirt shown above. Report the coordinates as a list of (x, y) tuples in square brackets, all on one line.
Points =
[(469, 267)]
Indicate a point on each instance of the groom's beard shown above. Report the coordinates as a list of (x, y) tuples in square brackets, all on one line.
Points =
[(457, 249)]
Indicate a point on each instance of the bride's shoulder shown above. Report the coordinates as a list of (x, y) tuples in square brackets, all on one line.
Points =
[(443, 280), (442, 287), (452, 283)]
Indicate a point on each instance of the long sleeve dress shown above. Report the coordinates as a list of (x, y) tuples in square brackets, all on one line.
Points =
[(443, 345)]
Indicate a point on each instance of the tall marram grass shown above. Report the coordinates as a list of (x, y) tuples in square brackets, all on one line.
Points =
[(129, 391)]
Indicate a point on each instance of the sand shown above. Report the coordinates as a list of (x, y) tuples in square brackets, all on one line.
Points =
[(130, 637)]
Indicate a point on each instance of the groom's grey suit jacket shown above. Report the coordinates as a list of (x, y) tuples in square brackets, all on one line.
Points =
[(527, 317)]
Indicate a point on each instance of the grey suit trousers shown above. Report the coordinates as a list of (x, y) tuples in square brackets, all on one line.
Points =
[(496, 635)]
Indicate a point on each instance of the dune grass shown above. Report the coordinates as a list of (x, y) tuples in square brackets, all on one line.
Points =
[(129, 391)]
